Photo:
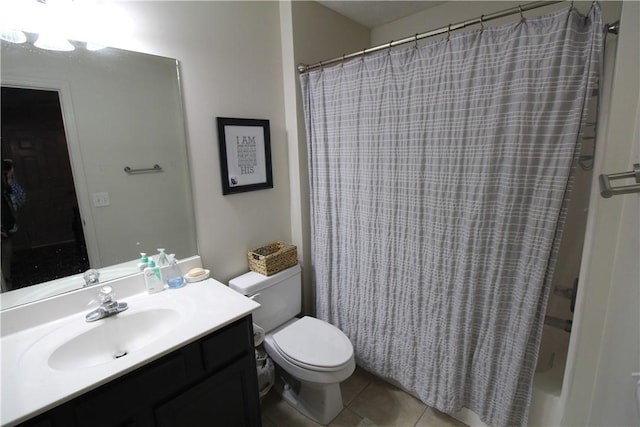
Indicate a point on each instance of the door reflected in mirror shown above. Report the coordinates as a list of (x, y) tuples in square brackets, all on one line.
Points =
[(46, 240), (118, 109)]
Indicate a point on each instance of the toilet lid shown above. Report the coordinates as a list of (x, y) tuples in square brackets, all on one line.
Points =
[(313, 342)]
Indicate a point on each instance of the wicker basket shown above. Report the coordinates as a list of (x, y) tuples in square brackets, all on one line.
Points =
[(272, 258)]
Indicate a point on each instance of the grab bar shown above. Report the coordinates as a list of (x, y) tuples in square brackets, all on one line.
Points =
[(556, 322), (131, 171), (605, 185)]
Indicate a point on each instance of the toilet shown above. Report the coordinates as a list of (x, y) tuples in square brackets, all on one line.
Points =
[(314, 356)]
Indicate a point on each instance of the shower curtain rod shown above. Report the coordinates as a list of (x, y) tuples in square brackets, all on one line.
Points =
[(303, 68)]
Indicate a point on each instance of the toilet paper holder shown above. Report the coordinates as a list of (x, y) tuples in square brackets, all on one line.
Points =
[(258, 335)]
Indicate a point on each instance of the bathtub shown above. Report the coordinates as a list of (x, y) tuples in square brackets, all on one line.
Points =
[(546, 405)]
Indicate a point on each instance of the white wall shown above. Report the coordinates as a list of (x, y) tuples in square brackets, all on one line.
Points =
[(457, 11), (614, 400), (310, 33), (230, 59)]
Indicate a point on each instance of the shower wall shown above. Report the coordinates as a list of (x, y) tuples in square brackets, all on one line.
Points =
[(564, 286), (552, 356)]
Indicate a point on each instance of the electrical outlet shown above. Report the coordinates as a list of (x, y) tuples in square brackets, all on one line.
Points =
[(101, 199)]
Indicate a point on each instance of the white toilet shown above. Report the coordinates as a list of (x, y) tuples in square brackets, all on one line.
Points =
[(314, 355)]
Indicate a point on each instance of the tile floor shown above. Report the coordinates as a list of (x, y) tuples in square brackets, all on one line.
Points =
[(369, 402)]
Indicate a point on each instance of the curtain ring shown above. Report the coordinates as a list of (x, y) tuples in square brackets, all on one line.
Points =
[(481, 23), (448, 32), (415, 40), (521, 15), (389, 49), (342, 63), (321, 66)]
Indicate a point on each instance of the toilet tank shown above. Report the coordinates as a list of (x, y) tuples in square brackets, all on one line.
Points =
[(279, 295)]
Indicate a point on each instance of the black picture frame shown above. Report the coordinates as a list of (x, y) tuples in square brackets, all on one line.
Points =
[(245, 154)]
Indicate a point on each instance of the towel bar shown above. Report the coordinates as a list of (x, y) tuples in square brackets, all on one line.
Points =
[(605, 185), (130, 171)]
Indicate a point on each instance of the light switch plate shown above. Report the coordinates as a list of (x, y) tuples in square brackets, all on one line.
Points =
[(101, 199)]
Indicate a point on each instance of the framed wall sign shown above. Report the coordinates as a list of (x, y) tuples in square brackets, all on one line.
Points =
[(245, 154)]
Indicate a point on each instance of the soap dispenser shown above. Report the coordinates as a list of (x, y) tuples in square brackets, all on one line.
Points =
[(143, 261), (153, 278), (162, 258), (173, 274)]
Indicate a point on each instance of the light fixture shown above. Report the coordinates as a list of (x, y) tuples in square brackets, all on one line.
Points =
[(92, 46), (53, 22), (12, 36), (50, 41), (97, 23)]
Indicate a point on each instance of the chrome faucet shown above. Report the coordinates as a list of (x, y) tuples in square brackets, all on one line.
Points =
[(108, 305), (91, 277)]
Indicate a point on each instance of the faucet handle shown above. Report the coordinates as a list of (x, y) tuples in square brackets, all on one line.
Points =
[(105, 294), (91, 276), (108, 307)]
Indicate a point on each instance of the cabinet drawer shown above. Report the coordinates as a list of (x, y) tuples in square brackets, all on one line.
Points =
[(227, 345)]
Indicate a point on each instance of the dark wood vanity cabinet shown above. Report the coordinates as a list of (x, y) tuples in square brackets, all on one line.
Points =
[(210, 382)]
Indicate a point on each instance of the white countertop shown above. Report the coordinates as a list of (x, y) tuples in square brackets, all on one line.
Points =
[(30, 386)]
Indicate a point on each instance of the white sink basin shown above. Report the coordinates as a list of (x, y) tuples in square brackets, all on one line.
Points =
[(79, 344), (116, 337)]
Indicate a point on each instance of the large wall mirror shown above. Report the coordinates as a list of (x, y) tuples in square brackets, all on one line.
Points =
[(72, 122)]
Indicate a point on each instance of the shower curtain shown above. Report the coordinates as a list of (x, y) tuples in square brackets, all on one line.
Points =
[(438, 177)]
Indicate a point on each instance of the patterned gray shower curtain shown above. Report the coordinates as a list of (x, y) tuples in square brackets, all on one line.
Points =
[(438, 182)]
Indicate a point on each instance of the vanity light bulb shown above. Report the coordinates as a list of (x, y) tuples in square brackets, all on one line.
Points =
[(92, 46), (53, 42), (12, 36)]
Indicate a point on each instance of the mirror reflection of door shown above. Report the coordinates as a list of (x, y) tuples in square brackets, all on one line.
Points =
[(49, 242)]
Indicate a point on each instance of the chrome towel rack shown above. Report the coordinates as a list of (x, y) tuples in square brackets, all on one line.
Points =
[(606, 190), (131, 171)]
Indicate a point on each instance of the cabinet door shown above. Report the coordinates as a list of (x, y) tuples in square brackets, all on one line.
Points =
[(227, 398), (126, 402), (38, 422)]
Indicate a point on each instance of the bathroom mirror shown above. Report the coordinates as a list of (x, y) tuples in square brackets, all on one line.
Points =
[(98, 145)]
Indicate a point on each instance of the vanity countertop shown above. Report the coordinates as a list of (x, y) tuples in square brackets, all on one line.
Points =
[(31, 386)]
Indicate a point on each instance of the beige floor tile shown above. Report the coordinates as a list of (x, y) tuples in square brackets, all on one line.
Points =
[(277, 413), (366, 422), (266, 422), (434, 418), (354, 385), (372, 403), (281, 414), (347, 418), (386, 405)]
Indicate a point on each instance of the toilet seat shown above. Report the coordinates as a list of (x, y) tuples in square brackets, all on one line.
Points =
[(313, 344)]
